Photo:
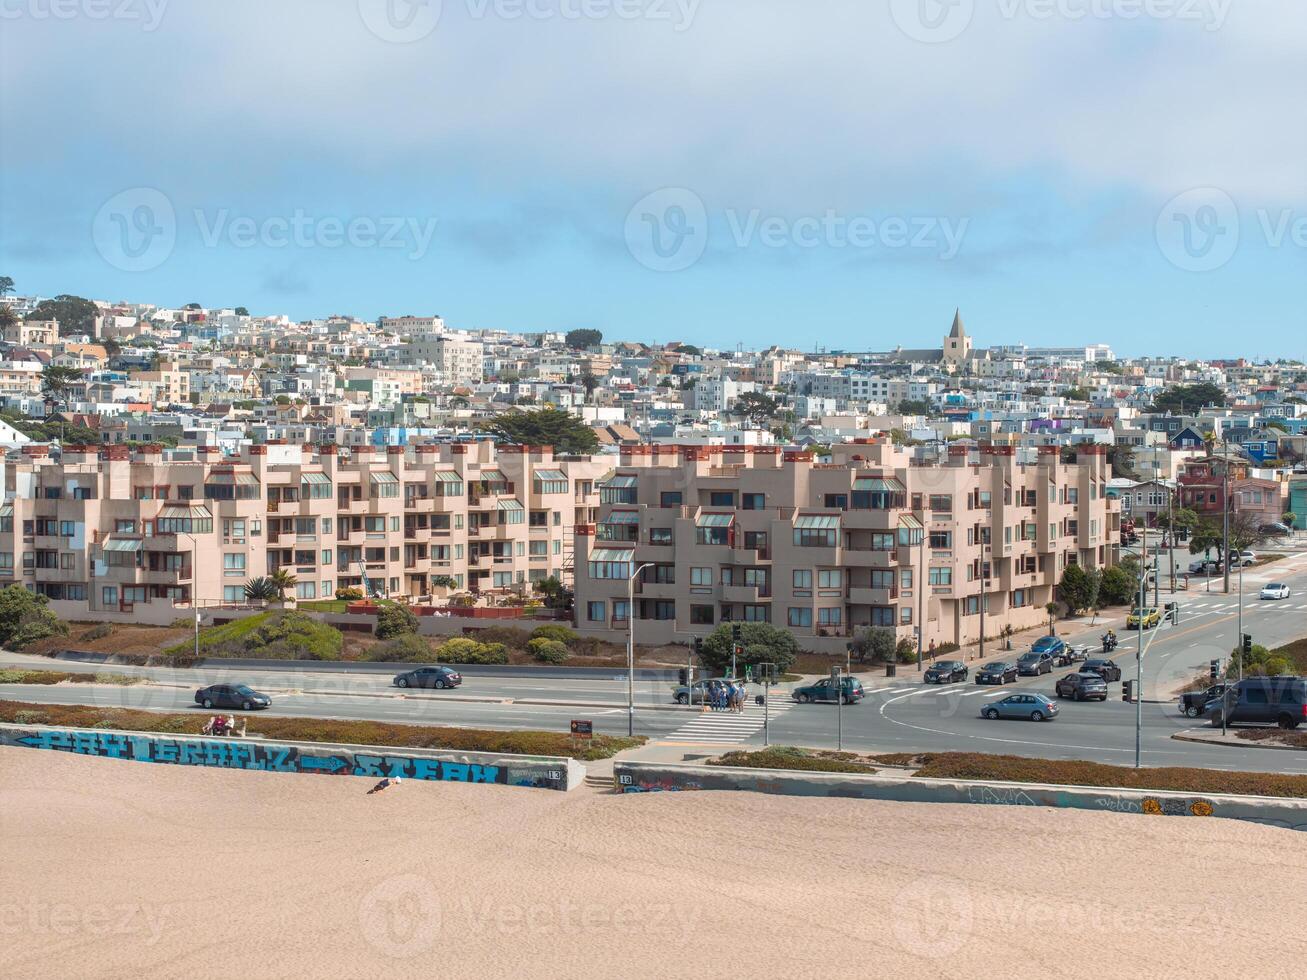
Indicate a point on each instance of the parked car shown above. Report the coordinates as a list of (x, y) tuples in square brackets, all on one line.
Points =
[(1244, 558), (1055, 647), (437, 677), (825, 690), (1193, 703), (1035, 707), (1198, 567), (1106, 669), (1275, 530), (1149, 618), (1262, 700), (1275, 590), (1081, 687), (999, 672), (231, 696), (698, 690), (1034, 664), (946, 672)]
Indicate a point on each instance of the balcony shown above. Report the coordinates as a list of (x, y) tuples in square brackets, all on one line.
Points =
[(859, 558), (861, 596), (747, 594)]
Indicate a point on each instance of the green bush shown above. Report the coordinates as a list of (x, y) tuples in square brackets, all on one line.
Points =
[(1119, 586), (351, 594), (762, 643), (906, 651), (554, 631), (461, 650), (407, 648), (548, 651), (26, 618), (281, 635), (395, 620), (944, 648), (512, 637), (98, 632), (1277, 667)]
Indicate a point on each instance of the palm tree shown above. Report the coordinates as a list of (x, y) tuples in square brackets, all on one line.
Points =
[(260, 589), (282, 580)]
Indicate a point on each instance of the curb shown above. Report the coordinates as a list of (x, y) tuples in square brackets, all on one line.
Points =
[(1181, 737)]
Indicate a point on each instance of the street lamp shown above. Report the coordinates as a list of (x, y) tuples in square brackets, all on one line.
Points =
[(630, 646)]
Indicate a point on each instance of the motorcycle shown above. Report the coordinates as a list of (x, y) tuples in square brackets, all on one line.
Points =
[(1109, 642)]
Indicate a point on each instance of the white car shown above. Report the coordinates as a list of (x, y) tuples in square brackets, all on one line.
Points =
[(1244, 558), (1275, 590)]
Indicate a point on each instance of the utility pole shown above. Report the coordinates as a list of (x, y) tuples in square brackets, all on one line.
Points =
[(1170, 515), (1225, 514), (921, 597), (1139, 659)]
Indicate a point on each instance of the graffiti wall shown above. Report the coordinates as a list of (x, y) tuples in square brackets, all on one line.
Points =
[(269, 757)]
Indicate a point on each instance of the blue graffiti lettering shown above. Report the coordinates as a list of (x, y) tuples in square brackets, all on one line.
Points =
[(426, 769), (367, 765)]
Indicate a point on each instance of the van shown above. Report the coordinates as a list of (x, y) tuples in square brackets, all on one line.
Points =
[(1262, 700)]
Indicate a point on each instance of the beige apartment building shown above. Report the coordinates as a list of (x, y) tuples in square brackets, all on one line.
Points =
[(131, 533), (757, 534)]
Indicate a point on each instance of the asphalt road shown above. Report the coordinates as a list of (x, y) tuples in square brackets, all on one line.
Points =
[(899, 714)]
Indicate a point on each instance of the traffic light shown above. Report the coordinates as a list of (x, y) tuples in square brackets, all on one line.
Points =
[(1215, 669), (737, 631), (698, 645), (1247, 644), (683, 676)]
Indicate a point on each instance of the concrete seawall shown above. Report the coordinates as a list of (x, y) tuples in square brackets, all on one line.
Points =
[(638, 777), (316, 758)]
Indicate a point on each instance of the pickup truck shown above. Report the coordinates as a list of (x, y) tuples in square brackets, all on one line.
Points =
[(1191, 704)]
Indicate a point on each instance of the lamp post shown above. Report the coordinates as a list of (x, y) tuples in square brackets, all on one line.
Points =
[(630, 646), (921, 598)]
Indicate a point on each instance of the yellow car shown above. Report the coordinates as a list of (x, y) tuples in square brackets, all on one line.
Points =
[(1150, 618)]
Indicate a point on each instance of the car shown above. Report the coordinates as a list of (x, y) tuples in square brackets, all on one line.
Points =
[(946, 672), (1280, 700), (1034, 664), (437, 677), (1106, 669), (1035, 707), (825, 690), (1055, 647), (1192, 703), (1198, 567), (999, 672), (1274, 590), (697, 691), (1149, 617), (1081, 687), (1242, 558), (231, 696), (1275, 530)]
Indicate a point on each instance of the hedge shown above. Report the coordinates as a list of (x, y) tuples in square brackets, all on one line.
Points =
[(326, 730)]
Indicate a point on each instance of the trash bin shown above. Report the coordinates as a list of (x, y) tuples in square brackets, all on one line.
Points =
[(891, 670)]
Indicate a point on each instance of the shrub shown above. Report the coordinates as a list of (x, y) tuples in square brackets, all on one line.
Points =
[(512, 637), (906, 651), (548, 651), (26, 618), (944, 648), (1119, 586), (461, 650), (405, 648), (395, 620), (762, 643), (31, 718), (873, 644), (282, 635), (350, 594), (37, 625), (785, 757), (98, 632), (554, 631)]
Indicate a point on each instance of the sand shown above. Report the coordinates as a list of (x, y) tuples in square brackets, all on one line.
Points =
[(120, 869)]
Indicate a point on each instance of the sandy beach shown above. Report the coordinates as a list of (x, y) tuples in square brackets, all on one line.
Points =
[(116, 869)]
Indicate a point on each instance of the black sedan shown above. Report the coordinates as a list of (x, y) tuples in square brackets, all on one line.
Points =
[(1081, 687), (999, 672), (946, 672), (231, 696), (1106, 669), (437, 677)]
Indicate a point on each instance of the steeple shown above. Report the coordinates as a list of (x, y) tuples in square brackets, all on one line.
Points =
[(957, 332)]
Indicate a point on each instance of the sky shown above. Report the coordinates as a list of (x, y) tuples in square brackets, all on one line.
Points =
[(837, 174)]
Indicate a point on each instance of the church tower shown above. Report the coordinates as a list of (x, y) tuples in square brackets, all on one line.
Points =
[(957, 345)]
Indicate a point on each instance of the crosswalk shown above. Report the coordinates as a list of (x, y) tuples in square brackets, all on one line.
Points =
[(1212, 607)]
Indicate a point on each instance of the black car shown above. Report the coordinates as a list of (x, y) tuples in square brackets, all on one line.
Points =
[(438, 677), (1106, 669), (946, 672), (999, 672), (231, 696), (1081, 687), (1033, 664), (1192, 703), (1277, 700)]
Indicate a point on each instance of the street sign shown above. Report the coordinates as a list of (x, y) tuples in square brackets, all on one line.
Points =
[(583, 729)]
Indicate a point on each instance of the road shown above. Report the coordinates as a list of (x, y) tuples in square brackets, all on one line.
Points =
[(899, 714)]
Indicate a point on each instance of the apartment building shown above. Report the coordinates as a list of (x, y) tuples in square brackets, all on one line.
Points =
[(757, 534), (118, 532), (31, 333)]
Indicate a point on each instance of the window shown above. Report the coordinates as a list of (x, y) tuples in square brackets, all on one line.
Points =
[(539, 549), (905, 615), (233, 564), (836, 501), (233, 593), (660, 535), (830, 578), (701, 615), (941, 502), (608, 563), (6, 561), (701, 576), (670, 498), (721, 498), (882, 578), (757, 614), (941, 539), (799, 617), (664, 609), (134, 593), (941, 576), (306, 590), (305, 526), (831, 616), (882, 541), (802, 578), (905, 578), (1020, 598), (621, 612), (109, 595), (753, 501), (595, 612), (814, 537), (124, 527), (882, 615)]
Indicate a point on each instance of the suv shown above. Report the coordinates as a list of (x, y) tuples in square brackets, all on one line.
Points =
[(1106, 669), (1143, 618), (1081, 687), (946, 672), (1269, 700), (1055, 647), (1034, 664), (824, 690)]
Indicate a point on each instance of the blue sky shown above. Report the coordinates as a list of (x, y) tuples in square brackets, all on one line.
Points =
[(838, 172)]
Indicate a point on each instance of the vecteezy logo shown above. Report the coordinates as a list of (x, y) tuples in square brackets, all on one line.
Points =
[(1198, 231), (667, 231), (400, 21), (932, 21), (135, 230), (920, 909), (401, 916)]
